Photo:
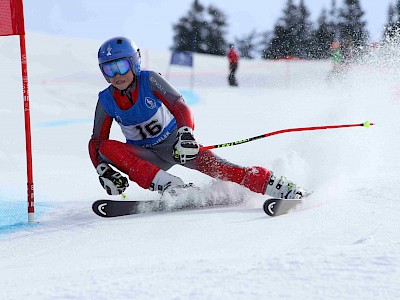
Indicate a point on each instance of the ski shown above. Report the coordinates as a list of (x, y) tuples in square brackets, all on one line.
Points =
[(276, 206), (116, 208)]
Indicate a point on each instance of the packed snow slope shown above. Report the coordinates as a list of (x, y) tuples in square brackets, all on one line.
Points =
[(345, 244)]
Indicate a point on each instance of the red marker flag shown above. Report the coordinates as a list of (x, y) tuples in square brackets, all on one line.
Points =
[(11, 17), (12, 23)]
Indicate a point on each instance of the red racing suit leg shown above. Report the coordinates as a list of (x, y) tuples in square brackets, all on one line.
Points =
[(122, 156), (141, 171), (253, 178)]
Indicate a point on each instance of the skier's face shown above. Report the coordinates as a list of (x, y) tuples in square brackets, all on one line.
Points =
[(122, 82)]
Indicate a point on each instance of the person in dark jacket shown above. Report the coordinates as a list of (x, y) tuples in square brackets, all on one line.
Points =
[(233, 59)]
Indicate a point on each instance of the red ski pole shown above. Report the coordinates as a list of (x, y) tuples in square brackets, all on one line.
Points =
[(365, 124)]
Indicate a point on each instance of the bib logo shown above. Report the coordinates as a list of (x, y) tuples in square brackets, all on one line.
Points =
[(150, 103), (109, 50)]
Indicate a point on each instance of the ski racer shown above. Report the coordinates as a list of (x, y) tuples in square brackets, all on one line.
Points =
[(158, 126)]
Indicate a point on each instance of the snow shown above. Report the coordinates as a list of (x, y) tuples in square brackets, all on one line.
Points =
[(344, 245)]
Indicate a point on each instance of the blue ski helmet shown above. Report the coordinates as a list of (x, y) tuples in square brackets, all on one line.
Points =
[(117, 48)]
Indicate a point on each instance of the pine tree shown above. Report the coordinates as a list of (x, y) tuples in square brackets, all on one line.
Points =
[(292, 33), (392, 16), (279, 46), (188, 35), (334, 20), (201, 31), (323, 36), (283, 40), (397, 10), (216, 32), (303, 47), (392, 28), (289, 23), (352, 27)]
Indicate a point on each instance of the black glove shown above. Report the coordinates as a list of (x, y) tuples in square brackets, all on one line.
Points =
[(112, 181), (186, 147)]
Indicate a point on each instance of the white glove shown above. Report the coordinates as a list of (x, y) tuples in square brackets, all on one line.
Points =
[(185, 148), (112, 181)]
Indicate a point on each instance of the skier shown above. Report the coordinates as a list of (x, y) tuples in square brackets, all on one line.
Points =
[(336, 55), (158, 126), (337, 62), (233, 59)]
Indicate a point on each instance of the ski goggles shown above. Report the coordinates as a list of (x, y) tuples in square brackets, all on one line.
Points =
[(112, 68)]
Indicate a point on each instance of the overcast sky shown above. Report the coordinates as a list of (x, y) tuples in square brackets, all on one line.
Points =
[(149, 22)]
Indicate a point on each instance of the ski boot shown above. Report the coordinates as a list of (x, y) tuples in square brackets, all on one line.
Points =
[(283, 188), (163, 181)]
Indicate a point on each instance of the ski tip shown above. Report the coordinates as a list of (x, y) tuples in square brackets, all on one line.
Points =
[(98, 208), (277, 206)]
